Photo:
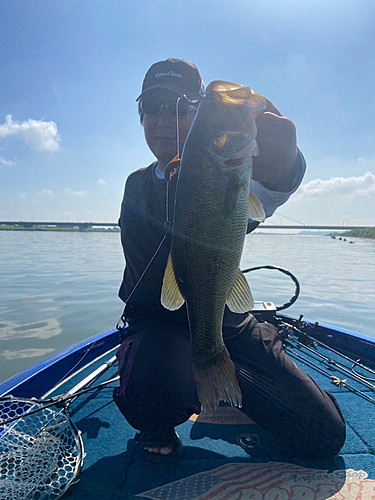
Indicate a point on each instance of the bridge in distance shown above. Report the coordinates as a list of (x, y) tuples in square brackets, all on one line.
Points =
[(84, 226)]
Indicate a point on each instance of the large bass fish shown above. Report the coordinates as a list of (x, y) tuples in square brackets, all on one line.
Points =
[(212, 206)]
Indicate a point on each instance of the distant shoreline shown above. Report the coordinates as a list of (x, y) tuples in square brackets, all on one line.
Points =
[(366, 232), (60, 229)]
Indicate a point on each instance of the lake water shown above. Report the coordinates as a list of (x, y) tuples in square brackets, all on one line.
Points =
[(58, 288)]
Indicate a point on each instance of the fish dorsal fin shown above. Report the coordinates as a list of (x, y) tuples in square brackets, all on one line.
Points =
[(255, 209), (171, 297), (240, 299)]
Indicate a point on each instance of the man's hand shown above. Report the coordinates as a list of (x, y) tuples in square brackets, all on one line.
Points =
[(277, 143)]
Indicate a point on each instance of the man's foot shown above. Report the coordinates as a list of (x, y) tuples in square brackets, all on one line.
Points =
[(165, 450), (153, 447)]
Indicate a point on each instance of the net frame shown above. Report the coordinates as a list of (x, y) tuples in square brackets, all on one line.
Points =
[(41, 454)]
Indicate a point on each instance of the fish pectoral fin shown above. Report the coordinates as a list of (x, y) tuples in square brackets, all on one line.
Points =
[(240, 299), (255, 209), (171, 297)]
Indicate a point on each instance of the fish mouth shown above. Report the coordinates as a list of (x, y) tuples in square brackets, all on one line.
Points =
[(223, 118), (233, 94), (233, 107)]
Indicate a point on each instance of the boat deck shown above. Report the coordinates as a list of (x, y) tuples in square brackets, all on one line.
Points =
[(215, 462), (225, 455)]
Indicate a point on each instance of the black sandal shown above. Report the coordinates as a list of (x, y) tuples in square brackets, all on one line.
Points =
[(151, 439)]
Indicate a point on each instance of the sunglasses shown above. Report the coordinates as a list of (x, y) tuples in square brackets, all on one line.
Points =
[(154, 108)]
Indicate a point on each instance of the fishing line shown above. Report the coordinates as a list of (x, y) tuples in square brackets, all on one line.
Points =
[(178, 153), (66, 375), (36, 457), (167, 224), (146, 268), (177, 123), (167, 221), (166, 227)]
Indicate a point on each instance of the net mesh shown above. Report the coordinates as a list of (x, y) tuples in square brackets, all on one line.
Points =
[(40, 454)]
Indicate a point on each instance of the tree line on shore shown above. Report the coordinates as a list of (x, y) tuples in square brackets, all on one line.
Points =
[(365, 232)]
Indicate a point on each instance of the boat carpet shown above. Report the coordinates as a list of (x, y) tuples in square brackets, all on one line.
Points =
[(215, 466)]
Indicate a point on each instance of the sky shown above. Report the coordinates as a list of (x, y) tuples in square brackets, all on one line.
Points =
[(72, 70)]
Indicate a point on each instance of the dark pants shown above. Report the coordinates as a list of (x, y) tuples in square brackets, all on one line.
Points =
[(157, 390)]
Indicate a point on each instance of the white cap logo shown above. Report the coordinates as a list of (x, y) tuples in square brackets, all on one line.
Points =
[(170, 73)]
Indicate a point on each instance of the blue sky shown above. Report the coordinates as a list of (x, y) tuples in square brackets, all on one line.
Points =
[(71, 71)]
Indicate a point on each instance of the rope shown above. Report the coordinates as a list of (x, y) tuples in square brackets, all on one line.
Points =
[(288, 273)]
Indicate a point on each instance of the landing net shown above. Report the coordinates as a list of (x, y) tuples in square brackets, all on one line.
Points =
[(41, 454)]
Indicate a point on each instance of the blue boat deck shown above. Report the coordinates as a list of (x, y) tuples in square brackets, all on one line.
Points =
[(114, 467), (226, 455)]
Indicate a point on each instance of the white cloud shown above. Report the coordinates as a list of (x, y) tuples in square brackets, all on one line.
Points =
[(45, 192), (70, 192), (360, 187), (8, 163), (345, 199), (37, 134), (102, 182)]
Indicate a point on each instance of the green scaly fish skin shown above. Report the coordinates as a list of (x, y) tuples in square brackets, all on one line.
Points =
[(211, 213)]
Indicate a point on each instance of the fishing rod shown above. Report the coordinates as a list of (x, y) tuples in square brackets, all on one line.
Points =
[(335, 380), (332, 362), (69, 396), (358, 376), (364, 368), (57, 401)]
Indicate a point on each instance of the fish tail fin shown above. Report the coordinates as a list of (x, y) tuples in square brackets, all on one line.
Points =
[(217, 382)]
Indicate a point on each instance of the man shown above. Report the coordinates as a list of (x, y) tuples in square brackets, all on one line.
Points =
[(157, 390)]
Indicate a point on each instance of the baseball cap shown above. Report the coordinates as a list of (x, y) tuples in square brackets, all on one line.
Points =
[(177, 75)]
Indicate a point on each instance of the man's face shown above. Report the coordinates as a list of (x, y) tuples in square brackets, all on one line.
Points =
[(161, 131)]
